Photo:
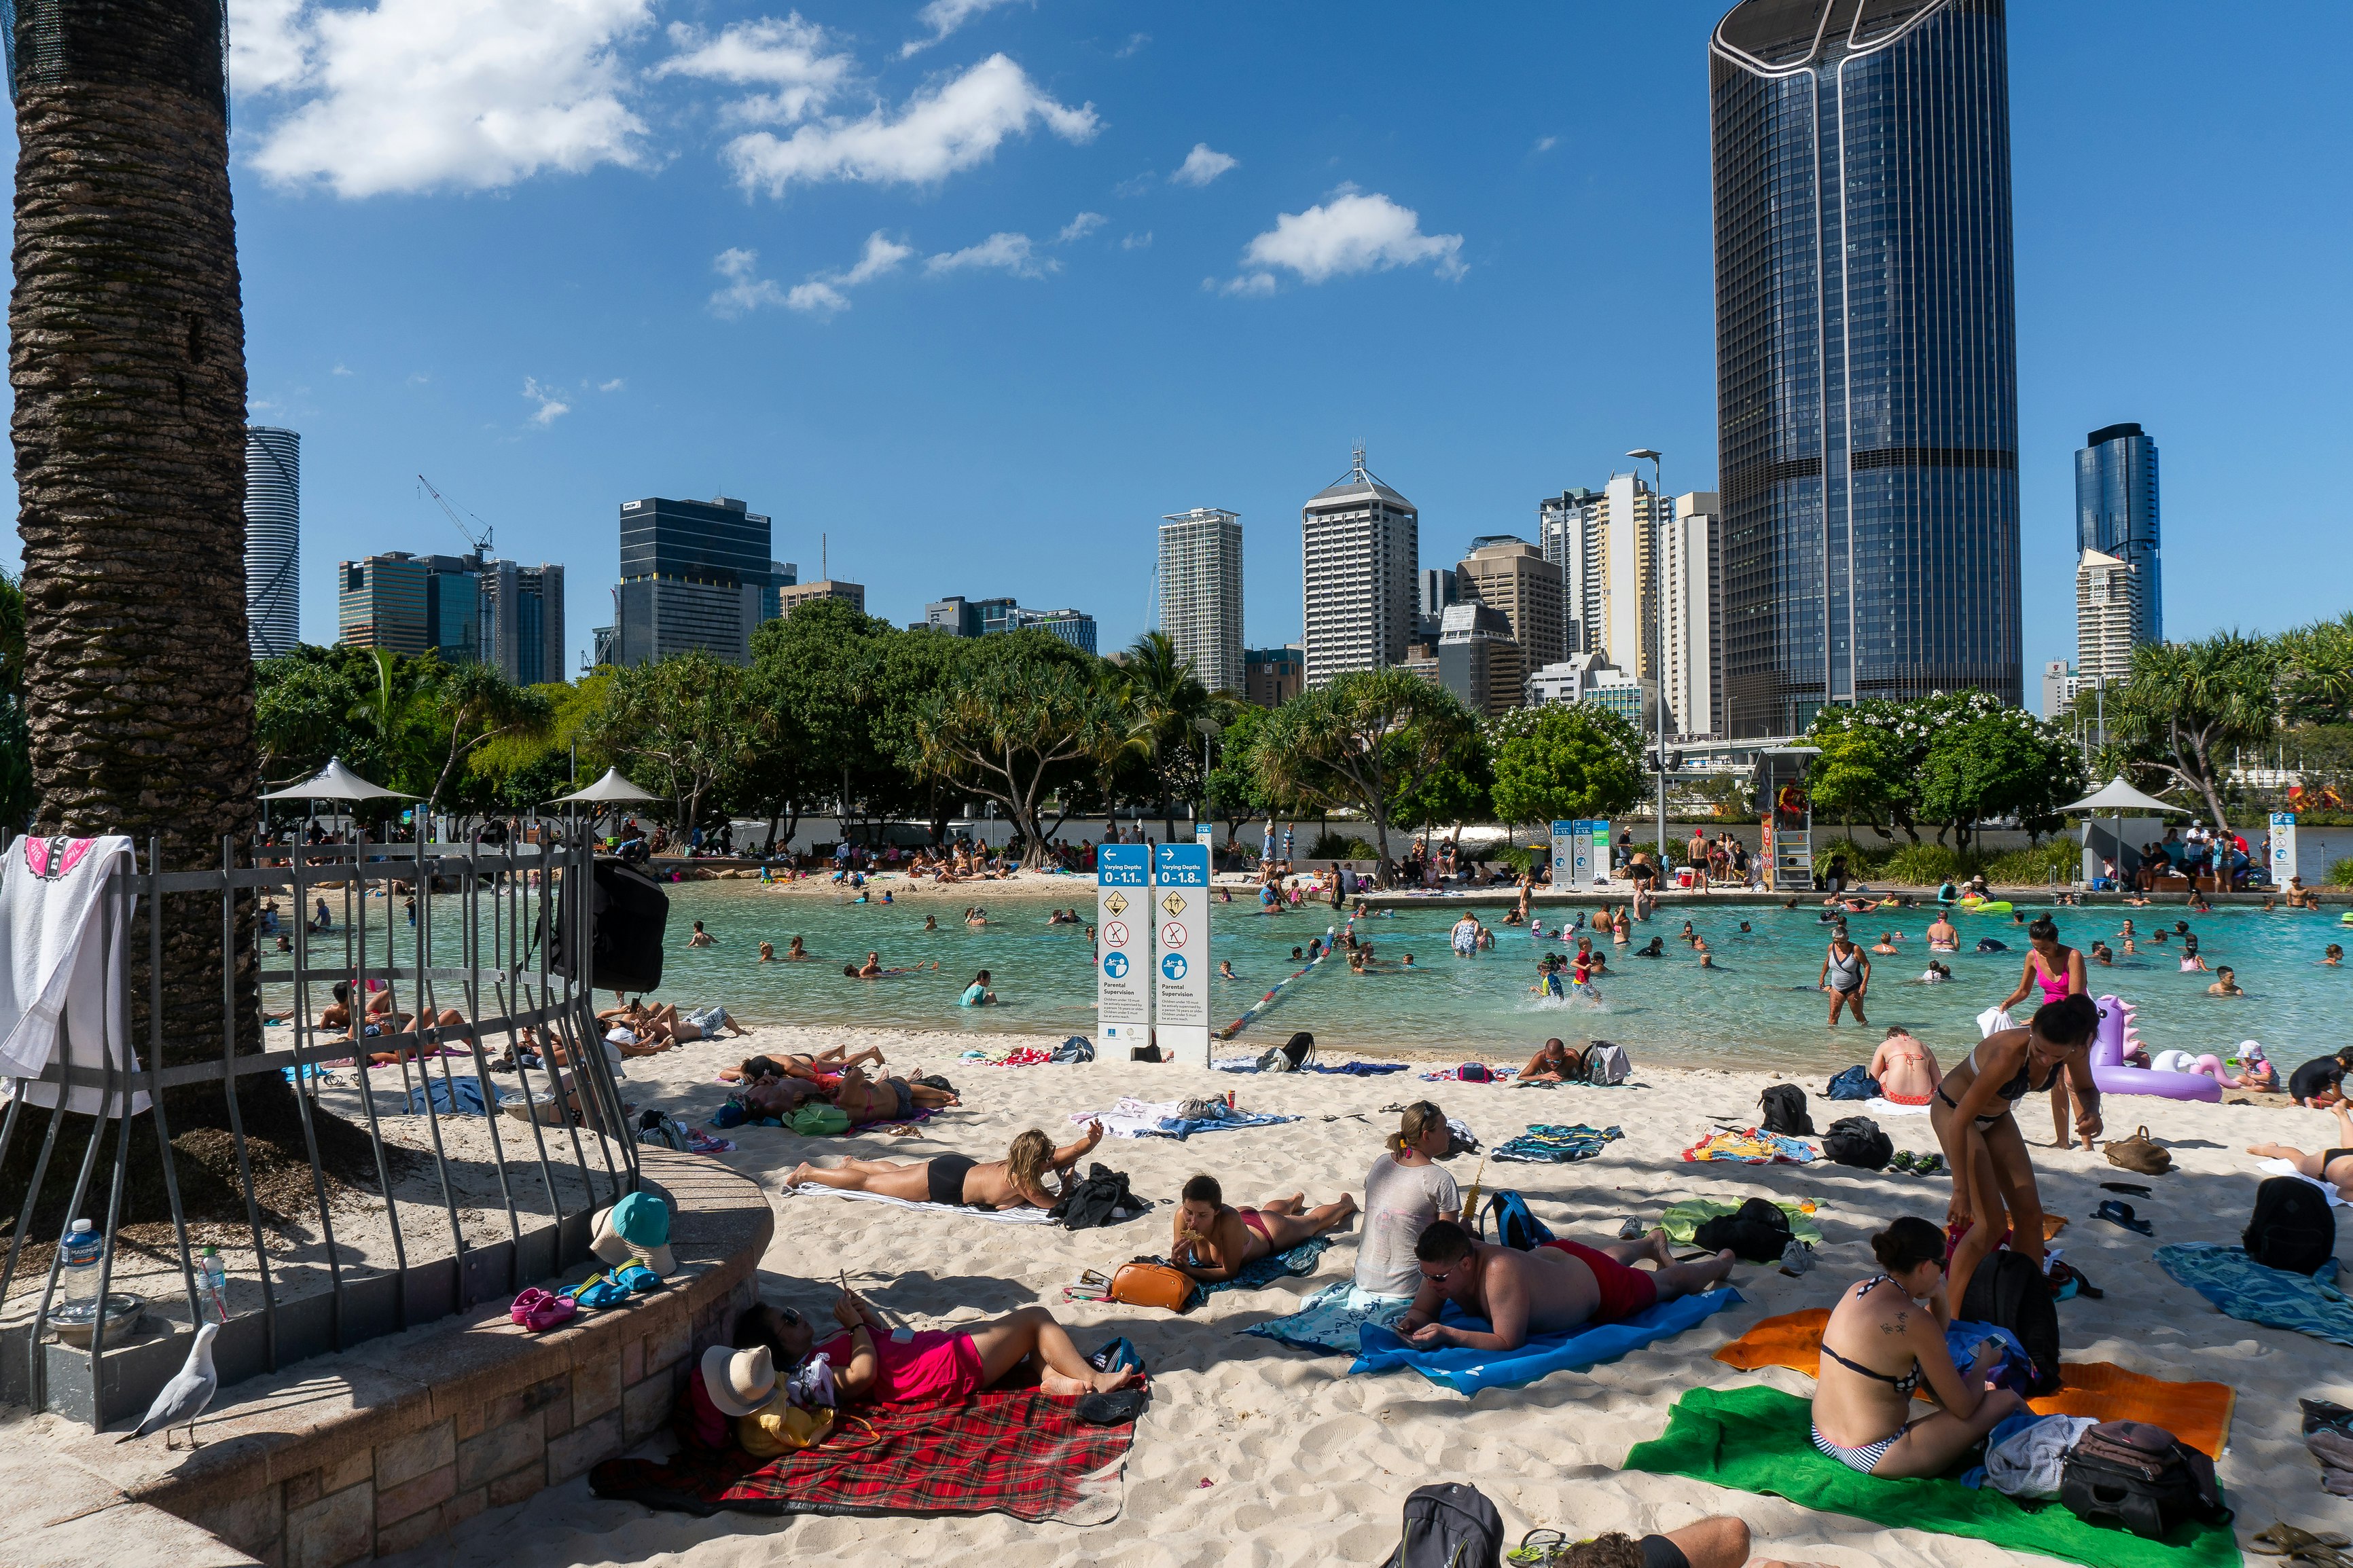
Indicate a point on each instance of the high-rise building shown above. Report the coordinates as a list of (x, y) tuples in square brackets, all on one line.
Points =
[(1866, 355), (1073, 627), (1601, 540), (2060, 684), (1569, 529), (957, 616), (273, 540), (1591, 677), (1201, 593), (2108, 618), (1273, 676), (781, 575), (453, 608), (1690, 567), (694, 575), (1511, 576), (2116, 514), (1361, 543), (522, 621), (380, 603), (793, 595), (1436, 590), (1477, 659)]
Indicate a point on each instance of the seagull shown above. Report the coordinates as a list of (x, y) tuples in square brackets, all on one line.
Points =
[(184, 1397)]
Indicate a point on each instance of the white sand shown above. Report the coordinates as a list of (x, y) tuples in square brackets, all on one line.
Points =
[(1304, 1464)]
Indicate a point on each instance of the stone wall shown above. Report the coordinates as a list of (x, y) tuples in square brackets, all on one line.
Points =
[(385, 1447)]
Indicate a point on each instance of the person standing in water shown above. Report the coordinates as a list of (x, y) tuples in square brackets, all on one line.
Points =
[(2057, 971), (1846, 976)]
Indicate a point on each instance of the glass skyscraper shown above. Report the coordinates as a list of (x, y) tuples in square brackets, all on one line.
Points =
[(2116, 514), (1867, 355)]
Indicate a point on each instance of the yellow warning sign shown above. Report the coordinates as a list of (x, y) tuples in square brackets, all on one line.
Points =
[(1174, 903), (1116, 903)]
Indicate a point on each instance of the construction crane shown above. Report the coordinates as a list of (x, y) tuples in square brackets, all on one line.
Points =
[(482, 545)]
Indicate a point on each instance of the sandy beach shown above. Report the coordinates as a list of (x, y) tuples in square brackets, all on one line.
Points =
[(1253, 1453)]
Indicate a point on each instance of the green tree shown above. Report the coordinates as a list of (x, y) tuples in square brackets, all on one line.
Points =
[(1867, 773), (1458, 789), (1163, 698), (2004, 763), (2316, 680), (471, 705), (1564, 760), (1231, 793), (1022, 720), (1361, 744), (678, 725), (2185, 709)]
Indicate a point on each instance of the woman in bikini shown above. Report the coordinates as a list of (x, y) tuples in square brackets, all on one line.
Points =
[(1213, 1242), (2332, 1166), (1943, 937), (1885, 1339), (1993, 1178), (1905, 1068), (1018, 1181), (2057, 971)]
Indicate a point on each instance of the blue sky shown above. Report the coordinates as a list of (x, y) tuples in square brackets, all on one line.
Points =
[(979, 290)]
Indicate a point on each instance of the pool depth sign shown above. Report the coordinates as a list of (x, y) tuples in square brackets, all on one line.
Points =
[(1180, 947), (1123, 914)]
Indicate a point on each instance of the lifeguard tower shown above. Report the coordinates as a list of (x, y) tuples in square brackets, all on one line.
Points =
[(1787, 806)]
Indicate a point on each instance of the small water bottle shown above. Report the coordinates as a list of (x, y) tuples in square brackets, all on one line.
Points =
[(214, 1273), (83, 1249)]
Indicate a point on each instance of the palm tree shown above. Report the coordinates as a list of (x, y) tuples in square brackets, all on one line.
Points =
[(127, 355), (1163, 696)]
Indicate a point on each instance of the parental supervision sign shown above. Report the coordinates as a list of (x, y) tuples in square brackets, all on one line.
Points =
[(1180, 948), (1123, 914)]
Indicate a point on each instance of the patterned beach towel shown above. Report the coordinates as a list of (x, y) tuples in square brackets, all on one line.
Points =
[(1683, 1220), (1750, 1147), (1260, 1272), (1329, 1320), (2244, 1288), (1010, 1451), (1544, 1143)]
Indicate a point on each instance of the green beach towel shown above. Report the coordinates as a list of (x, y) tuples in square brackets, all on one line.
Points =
[(1757, 1439), (1683, 1219)]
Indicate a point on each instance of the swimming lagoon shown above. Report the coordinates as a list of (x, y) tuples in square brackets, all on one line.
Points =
[(1759, 1007)]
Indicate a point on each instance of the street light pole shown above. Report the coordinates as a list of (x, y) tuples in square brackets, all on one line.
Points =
[(1659, 652)]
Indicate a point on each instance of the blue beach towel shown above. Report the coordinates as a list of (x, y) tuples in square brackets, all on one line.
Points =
[(468, 1097), (1358, 1070), (1546, 1144), (2244, 1288), (1171, 1126), (1329, 1323), (1260, 1272), (1468, 1371)]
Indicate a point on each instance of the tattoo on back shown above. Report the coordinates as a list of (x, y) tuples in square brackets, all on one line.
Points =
[(1894, 1328)]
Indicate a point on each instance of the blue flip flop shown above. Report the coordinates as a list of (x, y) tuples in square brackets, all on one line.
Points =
[(599, 1290), (635, 1279)]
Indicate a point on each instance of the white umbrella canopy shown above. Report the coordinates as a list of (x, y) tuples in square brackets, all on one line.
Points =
[(611, 787), (335, 782), (2116, 796)]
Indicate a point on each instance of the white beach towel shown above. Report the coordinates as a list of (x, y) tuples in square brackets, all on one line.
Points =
[(1130, 1118), (995, 1216), (1878, 1106), (2285, 1168), (60, 996)]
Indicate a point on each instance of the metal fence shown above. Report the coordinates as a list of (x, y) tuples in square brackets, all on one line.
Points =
[(488, 937)]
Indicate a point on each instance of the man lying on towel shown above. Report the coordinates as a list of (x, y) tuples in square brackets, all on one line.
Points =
[(1559, 1286)]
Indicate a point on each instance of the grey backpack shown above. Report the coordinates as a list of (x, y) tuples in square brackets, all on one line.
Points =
[(1449, 1525), (1606, 1065)]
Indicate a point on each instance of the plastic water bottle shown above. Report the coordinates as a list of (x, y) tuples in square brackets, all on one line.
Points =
[(214, 1273), (82, 1248)]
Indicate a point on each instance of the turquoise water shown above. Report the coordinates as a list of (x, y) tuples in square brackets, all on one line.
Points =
[(1759, 1007)]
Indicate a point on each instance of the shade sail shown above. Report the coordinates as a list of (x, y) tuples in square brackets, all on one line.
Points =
[(335, 782), (2116, 796), (611, 787)]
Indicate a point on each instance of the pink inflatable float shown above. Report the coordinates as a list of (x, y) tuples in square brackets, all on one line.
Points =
[(2116, 1037)]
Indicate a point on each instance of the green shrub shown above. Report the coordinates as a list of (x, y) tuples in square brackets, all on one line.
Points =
[(1860, 859), (1520, 857), (2059, 859), (1331, 845), (2341, 874), (1922, 865)]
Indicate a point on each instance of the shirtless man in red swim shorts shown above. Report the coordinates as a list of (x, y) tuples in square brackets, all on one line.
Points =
[(1559, 1286)]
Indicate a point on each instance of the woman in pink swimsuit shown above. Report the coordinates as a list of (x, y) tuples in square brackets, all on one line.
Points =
[(2058, 971), (1213, 1242)]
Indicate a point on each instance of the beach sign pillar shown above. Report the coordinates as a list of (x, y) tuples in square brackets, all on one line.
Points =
[(1123, 951), (1180, 948), (1576, 850), (2283, 847)]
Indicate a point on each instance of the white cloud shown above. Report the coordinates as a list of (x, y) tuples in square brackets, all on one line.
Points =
[(1546, 144), (1249, 283), (1135, 46), (1351, 233), (340, 369), (824, 292), (944, 16), (1011, 253), (1080, 227), (745, 290), (269, 44), (612, 386), (952, 126), (791, 56), (1201, 166), (551, 407), (1138, 241), (412, 95)]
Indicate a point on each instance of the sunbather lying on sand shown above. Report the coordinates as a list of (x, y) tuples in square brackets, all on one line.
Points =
[(2334, 1166), (1212, 1242), (1018, 1181), (874, 1365), (1720, 1541), (1561, 1285), (886, 1099)]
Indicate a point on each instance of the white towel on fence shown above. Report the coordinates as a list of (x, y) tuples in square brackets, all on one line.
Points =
[(58, 988), (996, 1216)]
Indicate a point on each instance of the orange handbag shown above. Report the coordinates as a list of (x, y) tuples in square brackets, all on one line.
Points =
[(1152, 1285)]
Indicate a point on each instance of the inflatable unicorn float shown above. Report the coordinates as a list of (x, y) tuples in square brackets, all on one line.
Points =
[(2174, 1074)]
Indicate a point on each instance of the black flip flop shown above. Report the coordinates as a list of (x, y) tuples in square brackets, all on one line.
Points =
[(2118, 1213), (1116, 1408), (2134, 1188)]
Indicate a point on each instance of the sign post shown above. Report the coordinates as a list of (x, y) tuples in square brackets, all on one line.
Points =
[(1122, 914), (1564, 857), (1180, 947), (2283, 847)]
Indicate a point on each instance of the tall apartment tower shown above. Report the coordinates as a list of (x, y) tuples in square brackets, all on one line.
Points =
[(1602, 541), (1361, 544), (2116, 514), (1867, 355), (380, 602), (522, 621), (2110, 609), (1689, 565), (1566, 525), (1513, 576), (1201, 593), (694, 575), (273, 540)]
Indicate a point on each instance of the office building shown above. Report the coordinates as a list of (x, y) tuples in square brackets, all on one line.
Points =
[(1201, 593), (380, 603), (1601, 540), (1568, 531), (522, 621), (781, 575), (694, 575), (453, 608), (1073, 627), (957, 616), (1436, 591), (1361, 543), (1273, 676), (1511, 576), (2060, 684), (960, 617), (1477, 659), (1689, 565), (2108, 618), (1591, 677), (2116, 514), (791, 596), (1866, 355), (273, 540)]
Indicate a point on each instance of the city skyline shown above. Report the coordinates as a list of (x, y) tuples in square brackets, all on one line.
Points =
[(438, 308)]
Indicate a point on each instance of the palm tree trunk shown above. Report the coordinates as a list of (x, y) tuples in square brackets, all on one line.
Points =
[(127, 355)]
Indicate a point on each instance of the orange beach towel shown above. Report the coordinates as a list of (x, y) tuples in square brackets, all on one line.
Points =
[(2197, 1413)]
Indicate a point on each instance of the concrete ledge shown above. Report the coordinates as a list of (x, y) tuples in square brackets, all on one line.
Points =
[(385, 1447)]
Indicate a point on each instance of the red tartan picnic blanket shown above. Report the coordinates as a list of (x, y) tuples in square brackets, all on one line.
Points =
[(1009, 1451)]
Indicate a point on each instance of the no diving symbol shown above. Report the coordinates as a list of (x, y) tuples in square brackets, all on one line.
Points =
[(1115, 934), (1172, 935)]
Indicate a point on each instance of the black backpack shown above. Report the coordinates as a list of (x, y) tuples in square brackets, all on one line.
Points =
[(2292, 1229), (1104, 1198), (2139, 1477), (1785, 1111), (2008, 1291), (1857, 1141), (1449, 1525), (1757, 1230)]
